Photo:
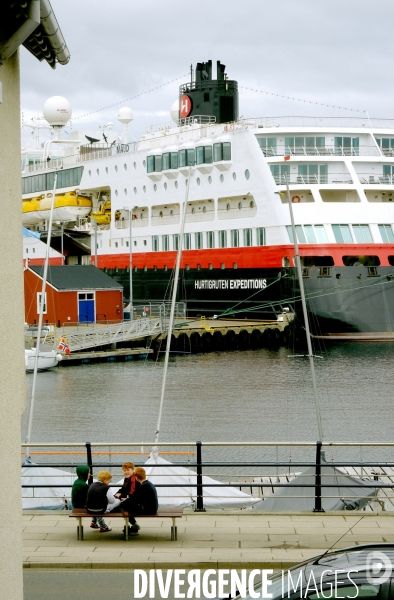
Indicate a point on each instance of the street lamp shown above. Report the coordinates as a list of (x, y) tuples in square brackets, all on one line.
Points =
[(130, 211)]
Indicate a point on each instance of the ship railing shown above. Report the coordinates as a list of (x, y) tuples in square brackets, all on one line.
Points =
[(375, 179), (318, 122), (261, 470), (327, 150), (313, 179)]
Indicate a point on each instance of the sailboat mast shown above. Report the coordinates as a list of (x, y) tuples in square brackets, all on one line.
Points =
[(297, 261), (40, 318), (172, 310)]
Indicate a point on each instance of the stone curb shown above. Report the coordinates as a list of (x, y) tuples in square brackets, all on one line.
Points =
[(275, 565)]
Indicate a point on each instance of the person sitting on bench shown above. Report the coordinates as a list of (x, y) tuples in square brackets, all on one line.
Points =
[(144, 501), (100, 499)]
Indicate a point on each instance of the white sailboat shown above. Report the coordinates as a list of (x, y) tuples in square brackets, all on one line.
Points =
[(163, 472)]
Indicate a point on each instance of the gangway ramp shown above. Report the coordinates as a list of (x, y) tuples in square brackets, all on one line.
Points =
[(150, 320)]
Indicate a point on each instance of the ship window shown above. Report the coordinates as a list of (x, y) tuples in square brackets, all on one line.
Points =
[(116, 192), (190, 156), (228, 207), (182, 158), (155, 243), (321, 235), (260, 231), (267, 145), (127, 243), (135, 190), (204, 209), (356, 261), (34, 250), (278, 173), (198, 267), (165, 243), (210, 267), (198, 240), (346, 146), (116, 168), (317, 261), (247, 237), (312, 174), (176, 185), (145, 243), (234, 176), (106, 170), (150, 164), (386, 232), (234, 238), (125, 167), (187, 267), (154, 189), (247, 174), (386, 145), (209, 179), (134, 242), (116, 244), (158, 163), (155, 267), (165, 185), (235, 265), (210, 239), (362, 234), (90, 173), (208, 154), (217, 152), (310, 234), (206, 96), (27, 250), (144, 189), (174, 160), (226, 151), (198, 181), (134, 165), (200, 155), (342, 234), (222, 239), (188, 241), (125, 191), (145, 268), (166, 161), (222, 177), (45, 181), (239, 205), (222, 266), (175, 241), (300, 234), (304, 145), (193, 210)]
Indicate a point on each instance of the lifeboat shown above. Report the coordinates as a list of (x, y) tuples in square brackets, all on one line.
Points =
[(103, 214), (68, 207)]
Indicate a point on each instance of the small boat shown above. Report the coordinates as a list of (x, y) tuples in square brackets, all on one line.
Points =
[(47, 359), (103, 214), (68, 207)]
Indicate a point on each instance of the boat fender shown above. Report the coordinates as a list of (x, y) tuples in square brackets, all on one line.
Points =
[(296, 199)]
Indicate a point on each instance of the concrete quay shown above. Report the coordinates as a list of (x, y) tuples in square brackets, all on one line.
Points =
[(216, 540)]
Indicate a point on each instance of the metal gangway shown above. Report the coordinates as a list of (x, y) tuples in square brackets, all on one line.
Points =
[(149, 320)]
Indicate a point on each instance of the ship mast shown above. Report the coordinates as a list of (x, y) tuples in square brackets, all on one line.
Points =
[(297, 261)]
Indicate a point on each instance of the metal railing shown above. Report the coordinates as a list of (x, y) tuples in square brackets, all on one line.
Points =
[(327, 150), (313, 179), (375, 179), (265, 476), (332, 122)]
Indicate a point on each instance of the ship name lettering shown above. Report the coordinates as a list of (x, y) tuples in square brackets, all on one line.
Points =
[(233, 284), (122, 148)]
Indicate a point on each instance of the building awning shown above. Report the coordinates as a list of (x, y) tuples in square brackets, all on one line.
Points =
[(33, 24)]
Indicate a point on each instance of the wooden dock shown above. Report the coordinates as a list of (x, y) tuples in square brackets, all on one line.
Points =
[(113, 355)]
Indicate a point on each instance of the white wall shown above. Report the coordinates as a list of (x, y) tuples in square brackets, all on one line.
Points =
[(12, 368)]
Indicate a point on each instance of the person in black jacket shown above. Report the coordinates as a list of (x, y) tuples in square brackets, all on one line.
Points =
[(100, 498), (144, 501)]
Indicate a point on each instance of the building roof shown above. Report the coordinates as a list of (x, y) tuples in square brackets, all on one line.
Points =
[(33, 24), (78, 277)]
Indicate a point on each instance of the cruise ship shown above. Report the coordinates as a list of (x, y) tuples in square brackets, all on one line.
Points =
[(119, 205)]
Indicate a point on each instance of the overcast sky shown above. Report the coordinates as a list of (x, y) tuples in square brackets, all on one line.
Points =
[(330, 51)]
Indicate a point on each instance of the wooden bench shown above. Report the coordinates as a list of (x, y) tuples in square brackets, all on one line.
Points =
[(162, 513)]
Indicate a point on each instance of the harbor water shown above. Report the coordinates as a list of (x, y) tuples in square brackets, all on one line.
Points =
[(262, 395)]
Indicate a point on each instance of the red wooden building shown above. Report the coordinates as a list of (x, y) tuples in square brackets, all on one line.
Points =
[(74, 294)]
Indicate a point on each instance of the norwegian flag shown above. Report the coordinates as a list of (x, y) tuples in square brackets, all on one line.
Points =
[(63, 347), (286, 158)]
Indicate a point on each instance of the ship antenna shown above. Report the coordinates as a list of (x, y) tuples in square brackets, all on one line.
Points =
[(191, 75), (297, 261)]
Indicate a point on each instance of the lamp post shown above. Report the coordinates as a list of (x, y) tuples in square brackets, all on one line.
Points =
[(130, 211)]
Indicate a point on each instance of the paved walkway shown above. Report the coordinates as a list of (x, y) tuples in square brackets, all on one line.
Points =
[(215, 540)]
